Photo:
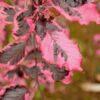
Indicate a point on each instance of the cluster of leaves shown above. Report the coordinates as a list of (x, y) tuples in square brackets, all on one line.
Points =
[(41, 51)]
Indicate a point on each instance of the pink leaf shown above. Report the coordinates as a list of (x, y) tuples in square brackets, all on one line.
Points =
[(66, 46), (83, 14)]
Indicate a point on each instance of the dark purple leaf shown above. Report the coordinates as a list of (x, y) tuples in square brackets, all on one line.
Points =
[(58, 73), (23, 28), (71, 3), (11, 73), (40, 28), (16, 93), (22, 23), (34, 55), (18, 72), (11, 13), (33, 72), (13, 54), (43, 26), (67, 5), (30, 10)]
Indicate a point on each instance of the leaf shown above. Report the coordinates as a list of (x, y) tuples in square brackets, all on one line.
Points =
[(43, 26), (11, 74), (34, 55), (22, 24), (18, 71), (30, 10), (75, 3), (10, 13), (13, 54), (40, 27), (88, 16), (33, 72), (68, 52), (83, 12), (16, 93), (23, 28), (58, 73)]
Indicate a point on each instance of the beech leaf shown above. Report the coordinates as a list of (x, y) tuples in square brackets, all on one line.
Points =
[(16, 93), (12, 54)]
